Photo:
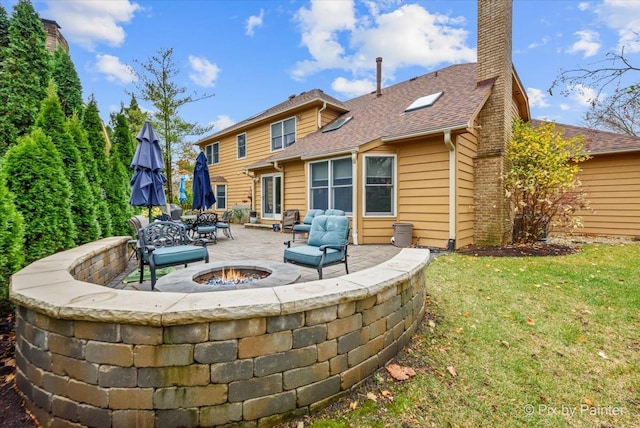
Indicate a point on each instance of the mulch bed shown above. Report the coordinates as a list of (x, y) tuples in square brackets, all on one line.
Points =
[(12, 408), (537, 250)]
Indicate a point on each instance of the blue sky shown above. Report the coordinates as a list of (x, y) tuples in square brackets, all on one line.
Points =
[(254, 54)]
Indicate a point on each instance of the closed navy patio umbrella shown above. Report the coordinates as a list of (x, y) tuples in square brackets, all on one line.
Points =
[(203, 197), (147, 183)]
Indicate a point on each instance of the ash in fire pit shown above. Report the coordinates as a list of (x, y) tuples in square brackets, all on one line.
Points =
[(205, 277), (232, 277)]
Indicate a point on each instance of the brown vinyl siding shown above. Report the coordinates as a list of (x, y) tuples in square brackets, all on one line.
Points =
[(466, 145), (613, 186)]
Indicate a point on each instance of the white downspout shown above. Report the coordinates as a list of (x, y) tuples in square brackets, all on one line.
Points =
[(253, 187), (354, 196), (452, 189), (324, 106)]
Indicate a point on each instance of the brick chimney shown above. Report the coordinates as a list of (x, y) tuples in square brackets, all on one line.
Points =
[(491, 211)]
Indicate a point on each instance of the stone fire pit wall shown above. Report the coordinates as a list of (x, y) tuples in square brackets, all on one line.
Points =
[(91, 355)]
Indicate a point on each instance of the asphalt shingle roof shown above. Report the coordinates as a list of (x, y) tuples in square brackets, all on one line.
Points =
[(598, 142), (314, 95), (383, 117)]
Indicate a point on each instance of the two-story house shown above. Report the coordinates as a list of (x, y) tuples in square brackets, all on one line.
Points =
[(428, 151)]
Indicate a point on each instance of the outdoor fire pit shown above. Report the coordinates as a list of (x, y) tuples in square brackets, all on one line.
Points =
[(228, 275)]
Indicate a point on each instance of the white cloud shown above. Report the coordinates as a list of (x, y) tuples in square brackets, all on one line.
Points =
[(204, 73), (585, 96), (537, 98), (564, 106), (353, 88), (114, 70), (542, 42), (582, 6), (320, 27), (588, 43), (222, 121), (254, 22), (406, 36), (88, 23), (624, 17)]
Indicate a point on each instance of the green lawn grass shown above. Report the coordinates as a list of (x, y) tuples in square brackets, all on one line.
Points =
[(535, 341)]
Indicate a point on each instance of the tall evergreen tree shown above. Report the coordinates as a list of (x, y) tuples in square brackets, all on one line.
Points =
[(122, 141), (79, 135), (11, 241), (136, 117), (24, 75), (118, 192), (34, 170), (119, 188), (67, 81), (52, 121), (96, 136), (4, 30)]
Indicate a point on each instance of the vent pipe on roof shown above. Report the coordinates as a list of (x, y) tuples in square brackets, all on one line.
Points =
[(378, 76)]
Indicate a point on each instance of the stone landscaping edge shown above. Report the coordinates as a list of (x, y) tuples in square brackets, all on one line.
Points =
[(91, 355)]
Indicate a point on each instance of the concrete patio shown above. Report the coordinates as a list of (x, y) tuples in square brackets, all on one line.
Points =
[(264, 244)]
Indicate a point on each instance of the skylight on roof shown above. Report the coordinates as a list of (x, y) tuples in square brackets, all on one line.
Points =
[(337, 124), (422, 102)]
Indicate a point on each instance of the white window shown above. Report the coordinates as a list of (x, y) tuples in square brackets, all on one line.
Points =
[(331, 185), (221, 196), (213, 154), (283, 134), (379, 185), (242, 146)]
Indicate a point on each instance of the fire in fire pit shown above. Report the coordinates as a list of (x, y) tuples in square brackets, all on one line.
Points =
[(247, 274), (232, 276)]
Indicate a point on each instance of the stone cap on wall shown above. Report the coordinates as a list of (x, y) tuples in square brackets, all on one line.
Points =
[(47, 286)]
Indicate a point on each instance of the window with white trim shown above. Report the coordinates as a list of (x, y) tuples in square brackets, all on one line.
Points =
[(213, 153), (221, 196), (331, 185), (241, 146), (283, 134), (379, 185)]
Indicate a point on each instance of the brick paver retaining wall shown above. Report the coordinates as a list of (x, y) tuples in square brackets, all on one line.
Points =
[(85, 359)]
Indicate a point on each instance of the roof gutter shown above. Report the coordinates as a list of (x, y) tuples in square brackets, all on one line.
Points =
[(449, 129)]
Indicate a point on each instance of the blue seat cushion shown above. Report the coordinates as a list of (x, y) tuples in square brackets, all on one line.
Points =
[(311, 214), (329, 230), (221, 225), (206, 229), (332, 211), (309, 255), (178, 254), (302, 228)]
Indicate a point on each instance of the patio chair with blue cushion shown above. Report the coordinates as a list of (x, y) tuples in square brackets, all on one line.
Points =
[(206, 226), (166, 243), (305, 226), (224, 224), (326, 246)]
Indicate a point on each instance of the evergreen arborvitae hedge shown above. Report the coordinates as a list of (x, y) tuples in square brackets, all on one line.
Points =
[(11, 242), (35, 174), (52, 121), (98, 164), (24, 74)]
